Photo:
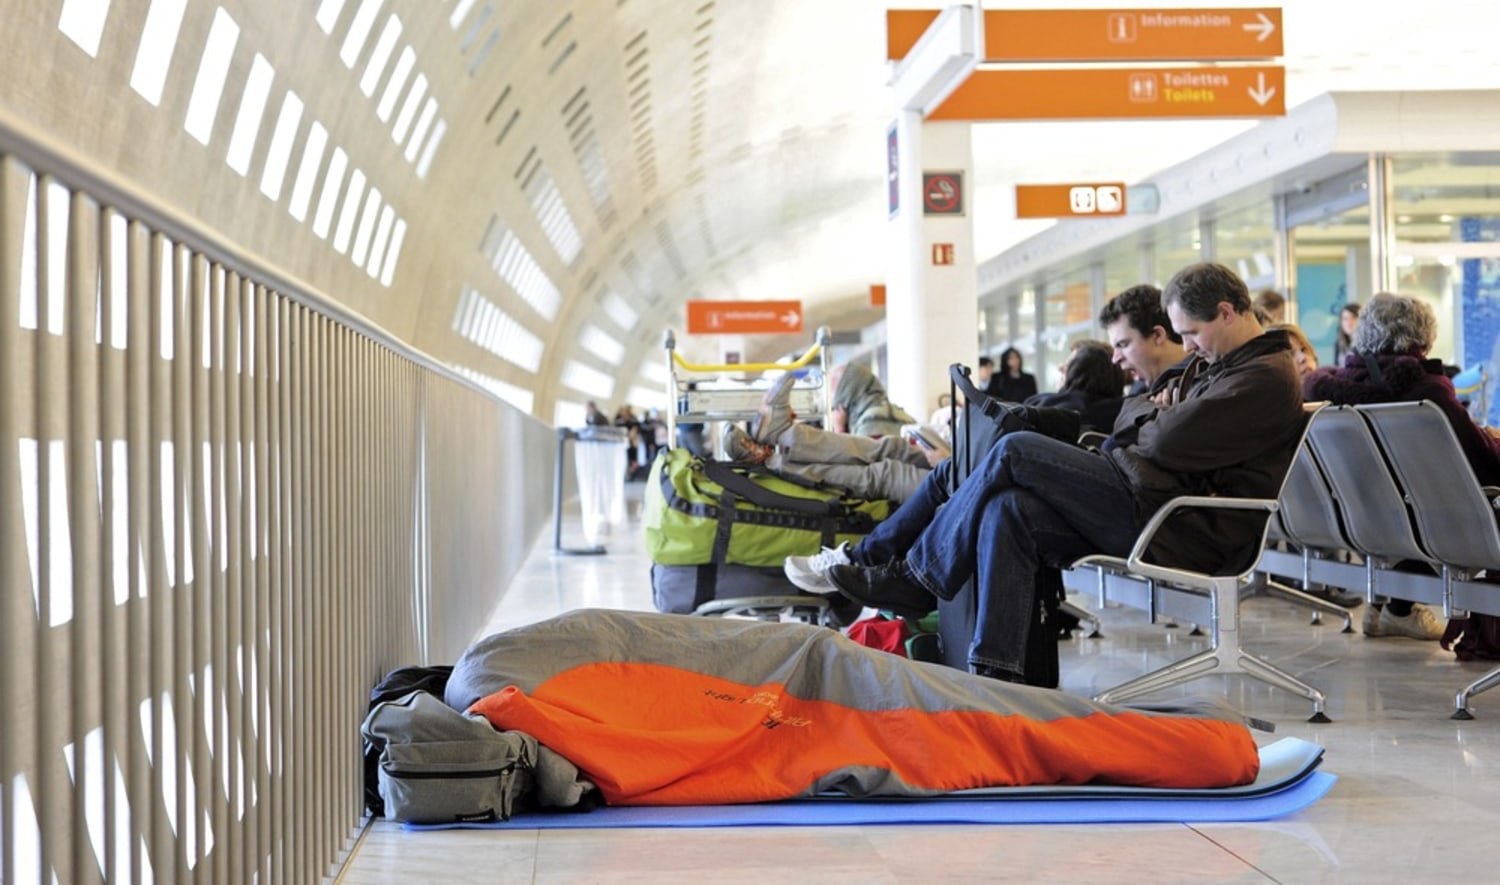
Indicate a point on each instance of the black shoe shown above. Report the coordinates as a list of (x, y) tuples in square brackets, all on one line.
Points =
[(885, 587)]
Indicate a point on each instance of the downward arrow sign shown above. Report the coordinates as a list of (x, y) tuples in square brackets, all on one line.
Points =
[(1260, 94), (1265, 26)]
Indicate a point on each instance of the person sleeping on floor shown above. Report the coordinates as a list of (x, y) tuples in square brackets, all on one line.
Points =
[(658, 709)]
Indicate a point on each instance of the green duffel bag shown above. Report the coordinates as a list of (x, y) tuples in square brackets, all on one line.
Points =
[(699, 511)]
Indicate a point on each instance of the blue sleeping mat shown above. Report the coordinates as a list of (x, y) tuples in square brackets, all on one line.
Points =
[(1287, 783)]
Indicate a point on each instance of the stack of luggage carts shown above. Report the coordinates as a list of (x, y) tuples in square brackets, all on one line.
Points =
[(718, 531)]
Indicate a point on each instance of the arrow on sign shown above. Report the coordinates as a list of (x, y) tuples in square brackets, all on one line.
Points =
[(792, 318), (1265, 26), (1260, 93)]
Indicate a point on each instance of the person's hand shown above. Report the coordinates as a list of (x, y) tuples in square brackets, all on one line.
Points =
[(1492, 432), (1163, 400), (935, 456)]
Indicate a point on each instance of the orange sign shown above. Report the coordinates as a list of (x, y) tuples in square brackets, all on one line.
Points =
[(877, 295), (1069, 200), (743, 317), (1117, 93), (1107, 34)]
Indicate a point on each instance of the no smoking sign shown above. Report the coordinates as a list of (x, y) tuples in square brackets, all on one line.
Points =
[(942, 193)]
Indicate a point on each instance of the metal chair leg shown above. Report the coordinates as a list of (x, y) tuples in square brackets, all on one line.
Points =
[(1306, 600), (1483, 683), (1224, 655)]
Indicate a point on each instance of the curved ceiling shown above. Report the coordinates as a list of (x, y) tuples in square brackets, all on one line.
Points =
[(751, 164), (575, 171)]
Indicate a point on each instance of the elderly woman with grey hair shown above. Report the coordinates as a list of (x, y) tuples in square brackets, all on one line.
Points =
[(1388, 362)]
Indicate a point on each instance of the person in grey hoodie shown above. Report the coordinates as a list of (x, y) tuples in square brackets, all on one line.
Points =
[(864, 452)]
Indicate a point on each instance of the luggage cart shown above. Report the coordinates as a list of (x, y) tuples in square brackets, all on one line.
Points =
[(696, 394), (706, 398)]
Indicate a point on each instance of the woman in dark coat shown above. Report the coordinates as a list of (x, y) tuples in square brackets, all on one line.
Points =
[(1388, 362), (1011, 384)]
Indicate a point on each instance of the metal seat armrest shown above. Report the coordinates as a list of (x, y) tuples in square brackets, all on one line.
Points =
[(1136, 560)]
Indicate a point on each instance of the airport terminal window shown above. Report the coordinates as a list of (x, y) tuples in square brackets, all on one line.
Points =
[(1447, 217), (1246, 241), (1122, 268), (1176, 247), (1023, 326), (1069, 316), (1330, 266)]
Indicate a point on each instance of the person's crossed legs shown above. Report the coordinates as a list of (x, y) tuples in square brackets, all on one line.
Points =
[(1033, 499)]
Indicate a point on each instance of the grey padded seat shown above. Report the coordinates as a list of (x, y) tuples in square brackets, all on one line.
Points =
[(1223, 592), (1454, 516)]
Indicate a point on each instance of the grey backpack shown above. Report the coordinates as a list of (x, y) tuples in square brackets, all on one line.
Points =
[(438, 765)]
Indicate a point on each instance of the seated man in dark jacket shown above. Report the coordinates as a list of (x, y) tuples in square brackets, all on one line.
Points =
[(1035, 501), (1140, 339)]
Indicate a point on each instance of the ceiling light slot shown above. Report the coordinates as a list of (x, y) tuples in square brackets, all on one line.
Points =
[(563, 56), (579, 120), (475, 26), (484, 51), (556, 29), (505, 130), (669, 250), (525, 162), (504, 94)]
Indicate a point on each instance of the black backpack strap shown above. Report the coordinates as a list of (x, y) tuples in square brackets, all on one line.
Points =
[(724, 527), (705, 584), (760, 496)]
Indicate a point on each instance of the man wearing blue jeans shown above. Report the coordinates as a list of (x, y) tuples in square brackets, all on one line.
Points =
[(1035, 501)]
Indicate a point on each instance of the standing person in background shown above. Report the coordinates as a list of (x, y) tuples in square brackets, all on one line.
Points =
[(1015, 385), (593, 417), (984, 377), (1348, 323), (1270, 307), (625, 418)]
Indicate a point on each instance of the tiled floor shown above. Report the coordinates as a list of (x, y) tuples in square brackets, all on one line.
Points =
[(1416, 801)]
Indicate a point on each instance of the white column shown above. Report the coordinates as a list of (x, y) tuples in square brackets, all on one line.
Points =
[(931, 308)]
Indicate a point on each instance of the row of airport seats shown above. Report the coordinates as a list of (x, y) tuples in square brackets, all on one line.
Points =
[(1379, 500)]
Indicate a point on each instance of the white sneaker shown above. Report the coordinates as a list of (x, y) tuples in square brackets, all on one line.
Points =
[(1420, 624), (811, 572)]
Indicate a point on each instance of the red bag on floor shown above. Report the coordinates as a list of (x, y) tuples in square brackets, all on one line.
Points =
[(881, 633)]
